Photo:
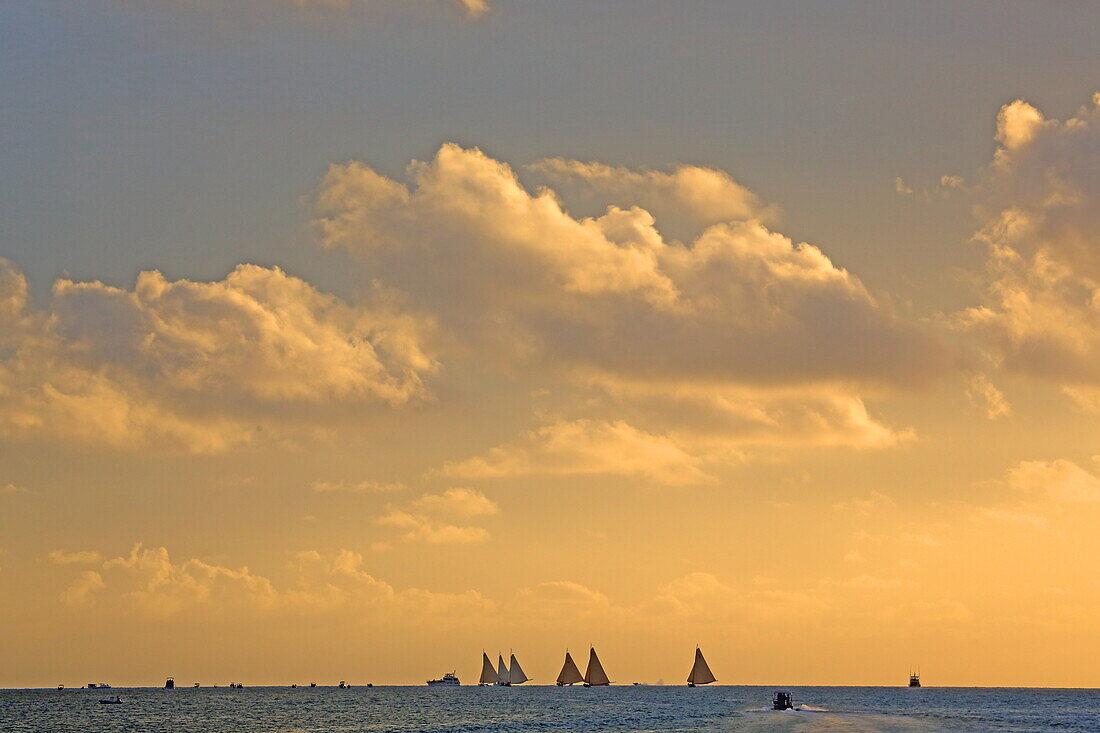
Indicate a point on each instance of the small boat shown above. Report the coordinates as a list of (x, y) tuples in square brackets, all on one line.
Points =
[(98, 686), (570, 674), (344, 685), (914, 679), (700, 673), (312, 684), (782, 700), (489, 675), (61, 687), (170, 684), (293, 686), (447, 680), (195, 685), (114, 700), (595, 676), (370, 684)]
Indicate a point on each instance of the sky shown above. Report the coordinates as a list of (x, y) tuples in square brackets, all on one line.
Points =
[(347, 340)]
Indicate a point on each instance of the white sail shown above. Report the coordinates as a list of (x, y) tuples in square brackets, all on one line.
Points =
[(594, 675), (515, 672), (700, 672), (569, 674), (502, 671), (488, 674)]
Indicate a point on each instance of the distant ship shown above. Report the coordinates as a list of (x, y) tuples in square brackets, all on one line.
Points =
[(595, 676), (98, 686), (343, 685), (782, 700), (170, 684), (569, 674), (914, 679), (448, 680), (700, 673)]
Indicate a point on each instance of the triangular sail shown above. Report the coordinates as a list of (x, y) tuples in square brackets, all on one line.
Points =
[(515, 673), (502, 671), (700, 671), (488, 674), (569, 674), (595, 675)]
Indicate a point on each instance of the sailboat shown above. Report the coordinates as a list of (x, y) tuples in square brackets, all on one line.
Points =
[(569, 674), (502, 672), (515, 673), (489, 675), (700, 672), (594, 676)]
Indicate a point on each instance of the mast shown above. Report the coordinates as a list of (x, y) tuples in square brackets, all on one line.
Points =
[(700, 672), (569, 674), (488, 674), (594, 676), (515, 673), (502, 671)]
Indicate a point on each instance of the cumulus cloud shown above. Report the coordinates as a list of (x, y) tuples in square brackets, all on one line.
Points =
[(197, 364), (460, 502), (82, 557), (1037, 207), (147, 581), (764, 340), (585, 447), (419, 528), (357, 487)]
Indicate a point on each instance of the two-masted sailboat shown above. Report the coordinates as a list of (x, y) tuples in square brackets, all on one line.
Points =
[(502, 675), (594, 676), (700, 671)]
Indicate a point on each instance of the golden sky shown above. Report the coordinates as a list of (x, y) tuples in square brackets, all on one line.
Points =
[(549, 399)]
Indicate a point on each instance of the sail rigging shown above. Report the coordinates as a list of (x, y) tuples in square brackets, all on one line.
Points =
[(515, 673), (700, 672), (488, 674), (569, 674), (595, 676)]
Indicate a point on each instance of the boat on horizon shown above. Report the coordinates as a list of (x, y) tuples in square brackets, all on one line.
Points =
[(595, 676), (113, 700), (506, 676), (570, 674), (170, 683), (782, 700), (447, 680), (914, 679), (98, 686), (700, 671)]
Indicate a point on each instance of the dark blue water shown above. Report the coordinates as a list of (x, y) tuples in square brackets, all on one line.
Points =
[(506, 710)]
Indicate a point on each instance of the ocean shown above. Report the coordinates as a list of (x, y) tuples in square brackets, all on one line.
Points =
[(471, 709)]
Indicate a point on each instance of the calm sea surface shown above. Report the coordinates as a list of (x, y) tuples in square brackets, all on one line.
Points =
[(498, 710)]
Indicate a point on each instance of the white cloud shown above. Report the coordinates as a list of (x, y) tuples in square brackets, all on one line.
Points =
[(357, 487), (82, 557), (418, 528), (457, 502), (198, 365), (585, 447)]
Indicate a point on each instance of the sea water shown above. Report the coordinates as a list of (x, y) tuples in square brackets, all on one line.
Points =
[(470, 709)]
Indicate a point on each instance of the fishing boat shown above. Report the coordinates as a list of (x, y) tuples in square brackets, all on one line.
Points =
[(114, 700), (569, 674), (700, 672), (489, 675), (914, 679), (447, 680), (595, 676), (170, 684), (782, 700)]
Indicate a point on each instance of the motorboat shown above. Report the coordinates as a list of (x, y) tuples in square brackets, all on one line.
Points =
[(914, 679), (782, 700), (447, 680), (113, 700), (344, 685)]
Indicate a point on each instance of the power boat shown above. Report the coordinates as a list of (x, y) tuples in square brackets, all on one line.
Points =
[(98, 686), (782, 700), (447, 680), (914, 679), (344, 685), (312, 684), (113, 700)]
